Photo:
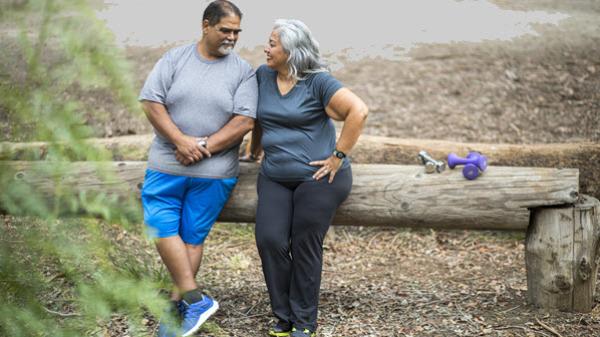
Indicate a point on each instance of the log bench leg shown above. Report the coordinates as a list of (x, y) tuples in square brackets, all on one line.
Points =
[(561, 255)]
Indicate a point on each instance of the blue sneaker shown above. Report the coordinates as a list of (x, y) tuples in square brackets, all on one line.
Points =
[(166, 330), (195, 314), (166, 327)]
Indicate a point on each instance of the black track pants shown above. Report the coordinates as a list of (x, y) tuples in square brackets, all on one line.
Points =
[(291, 221)]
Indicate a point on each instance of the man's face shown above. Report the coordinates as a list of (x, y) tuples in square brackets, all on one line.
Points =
[(221, 38)]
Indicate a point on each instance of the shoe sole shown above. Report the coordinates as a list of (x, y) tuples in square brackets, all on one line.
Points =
[(314, 334), (203, 318), (279, 334)]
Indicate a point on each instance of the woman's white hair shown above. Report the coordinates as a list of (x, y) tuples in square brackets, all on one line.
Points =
[(303, 50)]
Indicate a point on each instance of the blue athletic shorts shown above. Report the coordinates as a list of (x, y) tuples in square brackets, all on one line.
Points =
[(184, 206)]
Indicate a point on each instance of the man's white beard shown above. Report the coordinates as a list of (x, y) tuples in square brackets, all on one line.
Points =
[(225, 48)]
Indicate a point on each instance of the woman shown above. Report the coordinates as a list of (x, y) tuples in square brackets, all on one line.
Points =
[(305, 174)]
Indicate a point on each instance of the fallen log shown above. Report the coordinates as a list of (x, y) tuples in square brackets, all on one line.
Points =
[(388, 195), (382, 150), (583, 156), (562, 238)]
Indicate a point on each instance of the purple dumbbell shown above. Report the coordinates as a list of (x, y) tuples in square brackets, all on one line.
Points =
[(474, 163), (470, 171), (481, 160)]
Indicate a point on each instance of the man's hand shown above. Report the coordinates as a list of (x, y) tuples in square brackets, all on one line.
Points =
[(189, 151)]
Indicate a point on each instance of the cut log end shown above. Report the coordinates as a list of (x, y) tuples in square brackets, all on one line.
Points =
[(562, 255)]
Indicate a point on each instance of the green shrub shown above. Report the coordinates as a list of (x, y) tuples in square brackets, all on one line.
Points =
[(63, 276)]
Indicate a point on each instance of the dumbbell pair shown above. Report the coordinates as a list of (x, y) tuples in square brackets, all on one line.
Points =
[(475, 163)]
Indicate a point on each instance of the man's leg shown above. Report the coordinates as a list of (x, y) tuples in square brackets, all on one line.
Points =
[(194, 257), (162, 197), (194, 253), (202, 205), (174, 254)]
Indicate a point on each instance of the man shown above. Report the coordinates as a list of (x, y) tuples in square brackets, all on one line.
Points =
[(201, 100)]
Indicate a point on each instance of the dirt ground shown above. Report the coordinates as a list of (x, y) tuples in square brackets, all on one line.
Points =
[(396, 282), (399, 282), (407, 282)]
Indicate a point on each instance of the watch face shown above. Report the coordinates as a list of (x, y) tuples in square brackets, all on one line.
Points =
[(339, 154)]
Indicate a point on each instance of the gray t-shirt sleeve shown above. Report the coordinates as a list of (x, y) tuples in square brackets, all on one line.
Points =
[(159, 81), (245, 99), (325, 86)]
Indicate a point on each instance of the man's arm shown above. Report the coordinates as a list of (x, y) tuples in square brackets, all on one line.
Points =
[(230, 135), (187, 146), (244, 111)]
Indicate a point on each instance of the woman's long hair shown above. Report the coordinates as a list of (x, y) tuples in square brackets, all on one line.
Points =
[(303, 50)]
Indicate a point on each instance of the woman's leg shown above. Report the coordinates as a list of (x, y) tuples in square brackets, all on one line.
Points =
[(273, 225), (315, 203)]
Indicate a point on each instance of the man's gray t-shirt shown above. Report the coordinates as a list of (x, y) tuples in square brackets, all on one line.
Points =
[(201, 96), (296, 128)]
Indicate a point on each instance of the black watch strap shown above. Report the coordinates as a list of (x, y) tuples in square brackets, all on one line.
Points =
[(339, 154)]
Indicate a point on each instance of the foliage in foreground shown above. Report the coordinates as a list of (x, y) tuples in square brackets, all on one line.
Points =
[(39, 250)]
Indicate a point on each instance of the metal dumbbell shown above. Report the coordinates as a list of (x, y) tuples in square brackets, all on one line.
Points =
[(475, 163), (431, 165)]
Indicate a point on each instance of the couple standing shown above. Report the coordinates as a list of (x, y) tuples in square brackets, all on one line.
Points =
[(202, 99)]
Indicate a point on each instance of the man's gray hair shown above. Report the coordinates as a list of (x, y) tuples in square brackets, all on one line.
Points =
[(303, 50)]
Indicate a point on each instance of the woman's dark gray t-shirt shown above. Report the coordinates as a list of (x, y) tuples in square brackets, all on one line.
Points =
[(296, 129)]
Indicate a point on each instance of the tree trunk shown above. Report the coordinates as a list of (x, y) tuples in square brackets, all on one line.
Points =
[(386, 195), (382, 150), (561, 255)]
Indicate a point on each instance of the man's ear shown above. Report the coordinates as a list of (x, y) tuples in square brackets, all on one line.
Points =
[(205, 26)]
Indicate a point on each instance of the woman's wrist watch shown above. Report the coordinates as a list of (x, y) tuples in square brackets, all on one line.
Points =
[(339, 154)]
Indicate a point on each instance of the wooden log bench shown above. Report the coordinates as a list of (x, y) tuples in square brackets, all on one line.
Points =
[(562, 225), (378, 150)]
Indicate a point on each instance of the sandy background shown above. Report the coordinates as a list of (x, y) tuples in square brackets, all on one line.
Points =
[(541, 86)]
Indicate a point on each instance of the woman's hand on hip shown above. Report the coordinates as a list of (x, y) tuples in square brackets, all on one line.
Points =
[(328, 166)]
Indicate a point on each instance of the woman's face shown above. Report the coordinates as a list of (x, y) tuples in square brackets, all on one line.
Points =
[(276, 56)]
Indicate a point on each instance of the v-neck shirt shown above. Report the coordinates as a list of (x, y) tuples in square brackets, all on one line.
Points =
[(296, 128)]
